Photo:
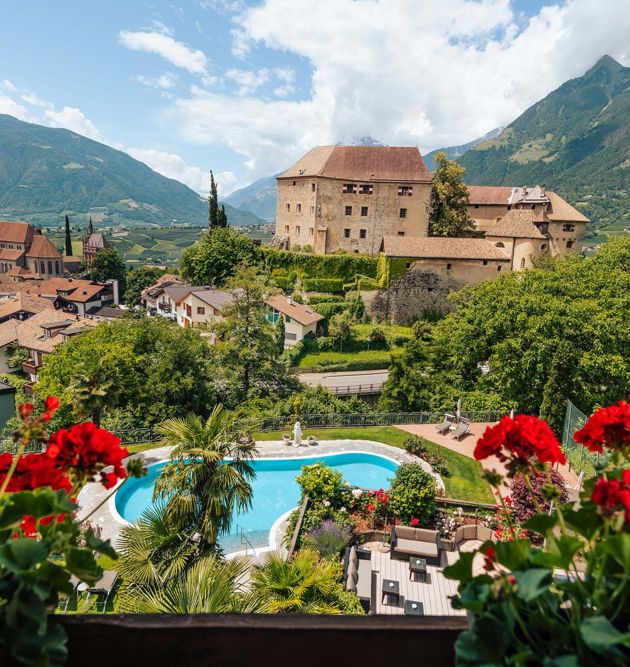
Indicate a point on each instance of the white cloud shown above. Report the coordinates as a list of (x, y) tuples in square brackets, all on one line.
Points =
[(73, 119), (248, 81), (174, 166), (9, 106), (163, 44), (164, 81), (403, 71), (286, 76)]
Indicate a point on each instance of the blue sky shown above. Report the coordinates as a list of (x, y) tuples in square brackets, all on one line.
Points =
[(245, 87)]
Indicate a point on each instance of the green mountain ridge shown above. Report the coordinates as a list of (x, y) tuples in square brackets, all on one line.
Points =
[(576, 141), (46, 173)]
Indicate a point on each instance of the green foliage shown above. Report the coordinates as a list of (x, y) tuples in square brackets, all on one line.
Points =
[(280, 334), (108, 265), (154, 367), (574, 138), (340, 328), (367, 284), (17, 355), (319, 401), (449, 199), (214, 258), (334, 285), (137, 281), (364, 360), (285, 284), (68, 239), (344, 267), (417, 446), (328, 310), (320, 482), (329, 539), (314, 299), (413, 494), (377, 338)]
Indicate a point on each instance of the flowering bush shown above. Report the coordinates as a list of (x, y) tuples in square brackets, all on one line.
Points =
[(567, 603), (413, 494), (320, 482), (329, 538), (522, 499), (378, 508), (41, 546)]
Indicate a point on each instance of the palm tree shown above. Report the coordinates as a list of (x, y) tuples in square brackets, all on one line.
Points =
[(211, 585), (303, 585), (91, 391), (209, 475)]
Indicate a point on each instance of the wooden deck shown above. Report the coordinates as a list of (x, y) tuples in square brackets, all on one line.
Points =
[(434, 594)]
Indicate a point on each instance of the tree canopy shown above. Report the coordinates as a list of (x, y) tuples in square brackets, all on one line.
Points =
[(108, 265), (214, 258), (552, 333), (449, 199), (138, 280)]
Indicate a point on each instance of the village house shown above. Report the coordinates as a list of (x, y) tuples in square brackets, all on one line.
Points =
[(8, 339), (77, 297), (203, 307), (299, 320), (156, 301), (24, 250), (349, 197)]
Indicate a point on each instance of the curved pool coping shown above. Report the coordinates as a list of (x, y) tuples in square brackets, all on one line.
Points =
[(111, 522)]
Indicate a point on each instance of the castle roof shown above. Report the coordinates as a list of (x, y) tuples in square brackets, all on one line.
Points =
[(362, 163), (437, 247), (518, 224), (97, 240)]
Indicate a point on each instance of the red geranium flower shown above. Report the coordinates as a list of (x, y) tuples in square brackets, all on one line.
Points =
[(86, 449), (32, 472), (520, 439), (488, 560), (609, 494), (607, 426), (414, 521), (25, 410)]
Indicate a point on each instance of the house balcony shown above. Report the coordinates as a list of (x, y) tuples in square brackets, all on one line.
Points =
[(165, 307), (30, 367)]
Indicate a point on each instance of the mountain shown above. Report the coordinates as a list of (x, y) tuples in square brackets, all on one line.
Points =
[(258, 198), (576, 140), (48, 172), (455, 152)]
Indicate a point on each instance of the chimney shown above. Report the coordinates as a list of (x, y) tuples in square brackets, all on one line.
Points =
[(542, 189), (290, 300), (524, 191)]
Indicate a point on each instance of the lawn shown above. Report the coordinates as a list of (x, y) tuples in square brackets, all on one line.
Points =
[(362, 360), (465, 482)]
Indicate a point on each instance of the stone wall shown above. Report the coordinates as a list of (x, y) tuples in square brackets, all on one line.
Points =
[(412, 296)]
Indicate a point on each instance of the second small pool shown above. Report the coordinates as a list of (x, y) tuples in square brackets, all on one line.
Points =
[(275, 491)]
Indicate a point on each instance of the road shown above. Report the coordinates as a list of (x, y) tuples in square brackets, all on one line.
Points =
[(348, 382)]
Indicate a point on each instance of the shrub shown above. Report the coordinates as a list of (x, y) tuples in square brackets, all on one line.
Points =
[(279, 273), (377, 338), (367, 284), (297, 297), (321, 483), (322, 285), (399, 340), (413, 495), (522, 499), (330, 309), (329, 538), (415, 446), (285, 284), (323, 298)]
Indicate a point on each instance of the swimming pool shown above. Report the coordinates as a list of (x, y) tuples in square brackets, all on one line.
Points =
[(275, 491)]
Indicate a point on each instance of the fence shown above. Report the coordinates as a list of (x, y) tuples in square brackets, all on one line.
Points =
[(579, 458)]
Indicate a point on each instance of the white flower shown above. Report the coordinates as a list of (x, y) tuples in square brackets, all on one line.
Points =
[(343, 509), (357, 493), (326, 503)]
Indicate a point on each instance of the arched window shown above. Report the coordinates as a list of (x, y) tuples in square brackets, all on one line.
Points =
[(50, 269), (42, 268), (522, 263), (543, 246), (500, 244)]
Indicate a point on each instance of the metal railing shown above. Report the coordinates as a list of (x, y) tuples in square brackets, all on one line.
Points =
[(357, 389), (579, 458), (245, 541)]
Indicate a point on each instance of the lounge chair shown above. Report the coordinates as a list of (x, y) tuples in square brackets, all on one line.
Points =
[(103, 588), (359, 578), (419, 542), (446, 424), (461, 430)]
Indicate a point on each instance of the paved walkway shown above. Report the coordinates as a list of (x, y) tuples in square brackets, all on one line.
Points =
[(105, 516)]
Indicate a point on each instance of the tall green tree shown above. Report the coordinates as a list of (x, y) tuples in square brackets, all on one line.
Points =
[(137, 281), (449, 199), (280, 334), (248, 353), (108, 265), (340, 328), (92, 389), (68, 238), (213, 204), (214, 258), (222, 220), (209, 474)]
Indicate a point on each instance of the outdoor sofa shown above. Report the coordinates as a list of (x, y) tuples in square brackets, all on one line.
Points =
[(471, 532), (417, 542), (358, 577)]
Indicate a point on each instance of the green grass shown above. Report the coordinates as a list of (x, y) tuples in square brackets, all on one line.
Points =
[(142, 447), (465, 482), (347, 361)]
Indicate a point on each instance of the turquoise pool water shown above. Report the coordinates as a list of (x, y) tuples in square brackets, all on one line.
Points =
[(275, 491)]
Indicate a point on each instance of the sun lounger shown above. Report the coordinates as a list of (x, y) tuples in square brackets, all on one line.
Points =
[(460, 430), (103, 588), (446, 424)]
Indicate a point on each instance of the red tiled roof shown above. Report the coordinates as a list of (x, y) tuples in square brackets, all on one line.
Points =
[(78, 290), (43, 247), (434, 247), (16, 232), (489, 194), (519, 224), (296, 311), (362, 163), (10, 255)]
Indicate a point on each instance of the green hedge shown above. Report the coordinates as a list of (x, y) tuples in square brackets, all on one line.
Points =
[(283, 283), (323, 298), (330, 309), (344, 267), (322, 285), (368, 284)]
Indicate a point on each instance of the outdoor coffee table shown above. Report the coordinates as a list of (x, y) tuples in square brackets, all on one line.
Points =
[(391, 587), (413, 608), (418, 566)]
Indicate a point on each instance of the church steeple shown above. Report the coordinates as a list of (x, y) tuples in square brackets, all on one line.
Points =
[(90, 229)]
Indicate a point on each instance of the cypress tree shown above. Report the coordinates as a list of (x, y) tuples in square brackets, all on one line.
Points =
[(213, 204), (222, 220), (68, 238), (280, 334)]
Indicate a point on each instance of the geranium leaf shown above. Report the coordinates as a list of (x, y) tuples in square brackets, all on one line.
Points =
[(560, 552), (81, 562), (512, 554), (462, 568), (562, 661), (600, 634), (618, 546), (101, 546), (22, 554), (585, 520), (541, 523), (532, 583)]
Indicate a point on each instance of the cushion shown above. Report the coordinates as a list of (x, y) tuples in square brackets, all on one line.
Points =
[(425, 535), (405, 532), (351, 584), (417, 548), (459, 534), (352, 570), (364, 583), (353, 557), (484, 533), (470, 532)]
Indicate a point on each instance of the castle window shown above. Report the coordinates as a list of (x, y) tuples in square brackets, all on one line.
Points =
[(500, 244), (310, 231), (476, 205), (312, 187), (42, 268), (405, 191), (449, 267), (522, 263), (485, 262), (401, 233), (312, 210), (288, 208), (348, 210), (568, 228), (349, 188), (499, 267), (366, 189), (569, 243), (364, 211), (346, 233), (509, 207), (362, 233), (298, 230), (402, 213), (50, 268), (299, 208), (543, 246), (294, 182), (408, 265), (286, 229)]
